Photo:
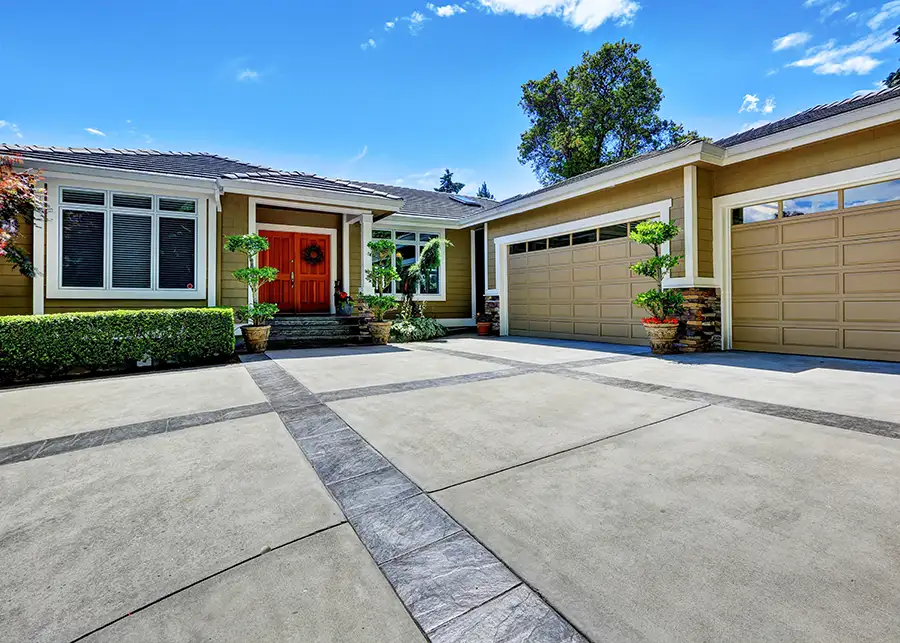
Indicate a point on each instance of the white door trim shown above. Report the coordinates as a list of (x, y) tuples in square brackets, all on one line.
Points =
[(660, 209), (332, 242), (722, 206)]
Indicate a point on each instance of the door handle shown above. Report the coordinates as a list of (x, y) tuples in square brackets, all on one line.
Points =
[(292, 277)]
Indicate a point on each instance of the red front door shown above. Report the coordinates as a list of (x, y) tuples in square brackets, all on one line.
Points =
[(303, 283)]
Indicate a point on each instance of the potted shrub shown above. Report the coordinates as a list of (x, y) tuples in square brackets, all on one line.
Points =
[(343, 303), (256, 332), (381, 276), (483, 323), (663, 305)]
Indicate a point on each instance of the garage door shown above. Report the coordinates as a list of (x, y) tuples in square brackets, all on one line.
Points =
[(812, 276), (577, 286)]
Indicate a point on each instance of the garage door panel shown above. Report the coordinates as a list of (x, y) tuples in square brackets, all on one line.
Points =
[(561, 293), (586, 293), (584, 254), (610, 251), (536, 259), (615, 272), (585, 273), (559, 258), (517, 262), (561, 310), (560, 275), (816, 311), (518, 311), (518, 323), (538, 294), (538, 276), (615, 291), (586, 311), (518, 278), (837, 289), (587, 328), (823, 257), (562, 327), (615, 330), (538, 310), (540, 325), (615, 311), (638, 331)]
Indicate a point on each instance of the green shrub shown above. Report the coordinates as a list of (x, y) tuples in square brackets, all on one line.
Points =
[(416, 329), (49, 345)]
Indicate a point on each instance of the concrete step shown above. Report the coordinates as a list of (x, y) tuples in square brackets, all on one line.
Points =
[(314, 322), (330, 331), (316, 341)]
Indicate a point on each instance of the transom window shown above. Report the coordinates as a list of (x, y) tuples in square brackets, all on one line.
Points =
[(409, 247), (606, 233), (865, 195), (130, 242)]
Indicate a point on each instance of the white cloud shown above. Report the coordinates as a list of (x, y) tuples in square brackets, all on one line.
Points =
[(888, 11), (12, 127), (247, 74), (416, 21), (585, 15), (369, 44), (854, 58), (772, 72), (359, 157), (446, 11), (390, 24), (94, 131), (795, 39), (768, 106), (831, 9), (750, 104)]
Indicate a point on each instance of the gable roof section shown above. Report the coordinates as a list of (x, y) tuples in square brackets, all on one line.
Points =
[(196, 165), (431, 204)]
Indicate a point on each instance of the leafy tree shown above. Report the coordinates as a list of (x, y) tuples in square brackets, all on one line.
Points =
[(605, 110), (893, 79), (448, 185), (663, 305), (483, 191), (20, 203), (381, 275), (256, 314)]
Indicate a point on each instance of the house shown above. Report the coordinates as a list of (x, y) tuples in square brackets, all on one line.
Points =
[(790, 232)]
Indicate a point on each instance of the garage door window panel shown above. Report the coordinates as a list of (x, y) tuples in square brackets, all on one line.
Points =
[(872, 194), (811, 204)]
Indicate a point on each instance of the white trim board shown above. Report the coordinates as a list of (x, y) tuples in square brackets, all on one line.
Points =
[(332, 242), (722, 206)]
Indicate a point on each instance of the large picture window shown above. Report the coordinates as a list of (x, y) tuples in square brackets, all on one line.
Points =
[(134, 243), (409, 247)]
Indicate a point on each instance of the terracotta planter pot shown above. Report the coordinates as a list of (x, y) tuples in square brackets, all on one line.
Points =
[(662, 337), (484, 328), (256, 338), (380, 331)]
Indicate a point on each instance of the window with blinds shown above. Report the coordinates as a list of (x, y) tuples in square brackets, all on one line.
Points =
[(117, 241)]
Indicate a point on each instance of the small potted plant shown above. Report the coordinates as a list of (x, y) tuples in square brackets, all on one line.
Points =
[(663, 305), (256, 332), (343, 303), (483, 323), (381, 276)]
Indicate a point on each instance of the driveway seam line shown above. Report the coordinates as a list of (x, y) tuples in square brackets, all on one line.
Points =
[(570, 449), (206, 578)]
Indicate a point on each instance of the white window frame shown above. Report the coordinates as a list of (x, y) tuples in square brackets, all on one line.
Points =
[(419, 229), (55, 289)]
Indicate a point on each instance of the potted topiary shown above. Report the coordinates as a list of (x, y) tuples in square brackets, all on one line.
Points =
[(256, 332), (663, 305), (483, 323), (381, 276), (343, 303)]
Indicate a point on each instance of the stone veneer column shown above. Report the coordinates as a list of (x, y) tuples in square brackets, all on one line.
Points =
[(492, 310), (702, 321)]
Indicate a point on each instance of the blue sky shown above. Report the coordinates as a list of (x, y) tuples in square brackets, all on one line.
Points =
[(394, 91)]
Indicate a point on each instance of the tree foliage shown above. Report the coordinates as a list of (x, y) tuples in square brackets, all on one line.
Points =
[(605, 110), (662, 304), (483, 191), (448, 184), (253, 276), (20, 204), (380, 275), (893, 79)]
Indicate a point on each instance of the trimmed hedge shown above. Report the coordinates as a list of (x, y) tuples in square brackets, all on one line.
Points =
[(417, 329), (52, 345)]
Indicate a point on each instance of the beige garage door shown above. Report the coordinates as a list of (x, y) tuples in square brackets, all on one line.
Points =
[(577, 287), (818, 282)]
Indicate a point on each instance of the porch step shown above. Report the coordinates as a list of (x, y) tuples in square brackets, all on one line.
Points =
[(302, 331)]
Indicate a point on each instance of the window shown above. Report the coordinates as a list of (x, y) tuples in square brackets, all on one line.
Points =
[(518, 248), (409, 247), (534, 246), (872, 194), (754, 213), (810, 204), (113, 241), (618, 231), (563, 241), (588, 236)]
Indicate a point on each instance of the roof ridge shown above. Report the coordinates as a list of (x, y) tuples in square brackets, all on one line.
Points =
[(431, 191)]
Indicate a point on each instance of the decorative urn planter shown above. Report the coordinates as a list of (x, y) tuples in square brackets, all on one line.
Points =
[(484, 328), (345, 309), (662, 336), (256, 338), (380, 331)]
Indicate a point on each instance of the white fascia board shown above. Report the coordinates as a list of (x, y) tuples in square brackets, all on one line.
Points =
[(309, 195), (151, 180), (703, 152), (854, 121), (395, 220)]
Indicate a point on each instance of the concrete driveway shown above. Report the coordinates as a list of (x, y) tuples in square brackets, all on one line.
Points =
[(465, 490)]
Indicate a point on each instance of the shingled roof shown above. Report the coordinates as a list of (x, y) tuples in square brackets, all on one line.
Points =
[(428, 203), (202, 165)]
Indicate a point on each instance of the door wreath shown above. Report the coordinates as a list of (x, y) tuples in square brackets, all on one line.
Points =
[(313, 254)]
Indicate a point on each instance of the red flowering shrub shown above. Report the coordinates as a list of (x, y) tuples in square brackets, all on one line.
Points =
[(20, 203)]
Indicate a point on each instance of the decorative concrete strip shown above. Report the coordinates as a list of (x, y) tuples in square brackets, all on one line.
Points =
[(503, 361), (402, 387), (441, 574), (89, 439)]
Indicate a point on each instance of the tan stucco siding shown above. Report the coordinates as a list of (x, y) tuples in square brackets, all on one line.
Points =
[(232, 220), (92, 305), (16, 290), (840, 153), (668, 185), (459, 279), (704, 223)]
